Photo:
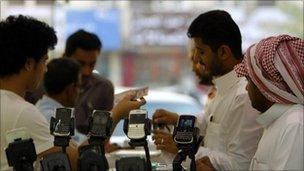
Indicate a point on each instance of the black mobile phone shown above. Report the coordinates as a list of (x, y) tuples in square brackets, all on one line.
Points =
[(184, 129)]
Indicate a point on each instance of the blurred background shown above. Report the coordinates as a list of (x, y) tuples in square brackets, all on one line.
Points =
[(145, 42)]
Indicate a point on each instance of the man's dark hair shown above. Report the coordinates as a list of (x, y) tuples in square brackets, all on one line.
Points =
[(216, 28), (83, 40), (61, 72), (23, 37)]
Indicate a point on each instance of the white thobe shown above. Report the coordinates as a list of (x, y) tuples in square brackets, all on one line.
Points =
[(229, 125), (281, 146)]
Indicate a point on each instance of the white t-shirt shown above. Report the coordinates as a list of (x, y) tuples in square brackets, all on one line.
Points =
[(229, 125), (17, 113), (281, 146)]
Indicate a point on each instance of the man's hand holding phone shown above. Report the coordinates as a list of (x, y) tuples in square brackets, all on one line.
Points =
[(125, 105), (137, 94), (164, 141)]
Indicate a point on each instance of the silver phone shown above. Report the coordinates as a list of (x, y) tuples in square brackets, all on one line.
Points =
[(136, 127)]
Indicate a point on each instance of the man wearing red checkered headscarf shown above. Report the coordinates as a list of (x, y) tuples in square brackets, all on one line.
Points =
[(274, 68)]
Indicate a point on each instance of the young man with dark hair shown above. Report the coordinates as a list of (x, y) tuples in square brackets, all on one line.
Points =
[(85, 47), (84, 40), (61, 83), (274, 68), (24, 45), (228, 124)]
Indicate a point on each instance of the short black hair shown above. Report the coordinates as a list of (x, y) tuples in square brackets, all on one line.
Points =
[(61, 72), (83, 40), (23, 37), (216, 28)]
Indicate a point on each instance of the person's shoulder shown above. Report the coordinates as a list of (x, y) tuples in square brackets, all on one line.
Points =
[(100, 81), (13, 101), (98, 78), (30, 110), (294, 115), (241, 94)]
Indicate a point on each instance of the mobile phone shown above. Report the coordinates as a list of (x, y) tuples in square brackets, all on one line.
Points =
[(136, 127), (101, 123), (184, 129), (63, 117)]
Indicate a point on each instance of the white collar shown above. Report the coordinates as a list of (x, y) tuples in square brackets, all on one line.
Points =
[(51, 100), (11, 93), (274, 112), (225, 82)]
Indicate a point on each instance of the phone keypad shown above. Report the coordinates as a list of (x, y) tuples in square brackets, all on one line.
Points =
[(136, 131), (183, 136)]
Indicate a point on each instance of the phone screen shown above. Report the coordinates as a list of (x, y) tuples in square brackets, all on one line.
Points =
[(184, 130), (137, 118), (100, 120), (63, 115), (186, 123)]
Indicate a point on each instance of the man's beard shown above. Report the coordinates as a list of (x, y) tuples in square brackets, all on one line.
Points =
[(206, 77)]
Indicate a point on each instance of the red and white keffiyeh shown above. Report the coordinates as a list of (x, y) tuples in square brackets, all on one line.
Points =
[(276, 66)]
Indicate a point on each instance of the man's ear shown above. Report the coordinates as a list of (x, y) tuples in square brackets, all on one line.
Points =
[(29, 64), (224, 52)]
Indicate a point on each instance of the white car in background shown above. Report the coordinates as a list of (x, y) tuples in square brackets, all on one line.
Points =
[(156, 99)]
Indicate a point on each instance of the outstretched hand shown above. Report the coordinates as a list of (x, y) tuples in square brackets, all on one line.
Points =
[(128, 103), (162, 116)]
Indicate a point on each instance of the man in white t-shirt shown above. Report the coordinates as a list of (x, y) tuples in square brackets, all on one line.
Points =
[(24, 45), (274, 68)]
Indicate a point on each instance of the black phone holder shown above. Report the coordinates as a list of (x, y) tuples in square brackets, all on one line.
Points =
[(58, 161), (55, 162), (21, 154), (131, 163), (92, 156), (136, 143), (185, 150)]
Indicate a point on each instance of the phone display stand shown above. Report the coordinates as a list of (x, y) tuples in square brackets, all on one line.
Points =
[(58, 161), (92, 156), (137, 143), (55, 162), (185, 150), (21, 154), (131, 163)]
